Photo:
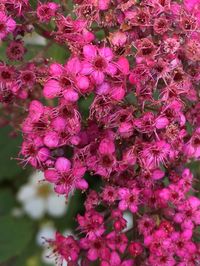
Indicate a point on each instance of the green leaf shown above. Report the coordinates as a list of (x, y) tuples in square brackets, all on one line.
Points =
[(58, 53), (9, 148), (7, 201), (84, 105), (15, 234)]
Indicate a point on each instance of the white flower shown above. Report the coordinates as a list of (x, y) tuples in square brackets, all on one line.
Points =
[(38, 198), (34, 39), (129, 219)]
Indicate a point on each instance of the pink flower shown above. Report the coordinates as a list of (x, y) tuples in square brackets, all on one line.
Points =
[(98, 62), (65, 178), (129, 199), (92, 223), (96, 248), (155, 153), (7, 25), (191, 4), (188, 213), (115, 260), (46, 11), (66, 81), (64, 248)]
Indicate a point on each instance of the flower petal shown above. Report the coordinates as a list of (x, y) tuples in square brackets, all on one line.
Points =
[(56, 206)]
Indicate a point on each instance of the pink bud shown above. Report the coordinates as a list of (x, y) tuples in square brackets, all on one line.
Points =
[(62, 164), (51, 175), (118, 93), (70, 95), (51, 139), (157, 174), (52, 89), (82, 184), (56, 69), (43, 154), (83, 83), (123, 65), (59, 124), (161, 122), (106, 147)]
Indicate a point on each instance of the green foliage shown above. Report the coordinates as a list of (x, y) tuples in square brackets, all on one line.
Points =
[(84, 105), (57, 53), (15, 234), (9, 148), (7, 201)]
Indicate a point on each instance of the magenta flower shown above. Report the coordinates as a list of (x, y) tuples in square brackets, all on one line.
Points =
[(64, 248), (7, 25), (122, 112), (92, 224), (66, 81), (96, 248), (188, 213), (129, 199), (65, 178), (98, 62), (46, 11)]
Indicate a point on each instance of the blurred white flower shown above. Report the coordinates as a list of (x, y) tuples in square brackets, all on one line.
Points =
[(38, 198), (129, 218), (34, 39)]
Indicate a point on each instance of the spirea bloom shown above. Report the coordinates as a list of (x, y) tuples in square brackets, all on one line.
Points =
[(7, 25), (116, 117)]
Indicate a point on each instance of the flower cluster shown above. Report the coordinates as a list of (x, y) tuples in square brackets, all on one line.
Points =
[(140, 82)]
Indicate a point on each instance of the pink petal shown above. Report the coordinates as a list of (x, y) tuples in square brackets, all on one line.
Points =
[(98, 77), (87, 68), (123, 192), (60, 189), (123, 205), (92, 254), (161, 122), (118, 93), (62, 164), (111, 69), (35, 110), (71, 95), (59, 124), (89, 51), (52, 89), (51, 175), (115, 259), (158, 174), (106, 53), (133, 208), (74, 66), (11, 25), (51, 139), (123, 65), (56, 69), (103, 89), (43, 154), (82, 184), (83, 83), (104, 4), (106, 146)]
